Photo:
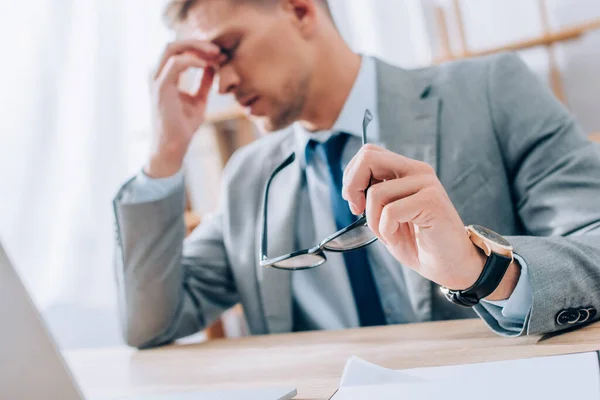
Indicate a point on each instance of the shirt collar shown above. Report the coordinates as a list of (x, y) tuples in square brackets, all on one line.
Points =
[(363, 95)]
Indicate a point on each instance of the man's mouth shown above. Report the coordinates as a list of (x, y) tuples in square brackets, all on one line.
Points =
[(249, 101), (249, 104)]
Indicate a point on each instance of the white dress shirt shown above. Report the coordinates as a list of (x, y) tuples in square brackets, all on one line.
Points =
[(312, 309)]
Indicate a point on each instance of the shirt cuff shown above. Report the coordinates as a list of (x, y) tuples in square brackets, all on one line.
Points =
[(517, 306), (144, 189)]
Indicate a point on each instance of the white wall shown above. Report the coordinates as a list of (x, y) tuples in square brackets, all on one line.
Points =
[(580, 61), (490, 23), (394, 30)]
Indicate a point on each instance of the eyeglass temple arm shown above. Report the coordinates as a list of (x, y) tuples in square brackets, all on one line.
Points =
[(285, 163), (366, 121)]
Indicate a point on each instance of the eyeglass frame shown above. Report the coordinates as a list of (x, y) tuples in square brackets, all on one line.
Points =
[(321, 248)]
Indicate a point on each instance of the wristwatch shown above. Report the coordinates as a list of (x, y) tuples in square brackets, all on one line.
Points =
[(499, 254)]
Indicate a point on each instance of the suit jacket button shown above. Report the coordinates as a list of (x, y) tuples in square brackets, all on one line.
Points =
[(569, 316), (592, 312), (562, 317), (584, 315)]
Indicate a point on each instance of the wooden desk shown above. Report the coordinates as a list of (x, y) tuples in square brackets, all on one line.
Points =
[(312, 362)]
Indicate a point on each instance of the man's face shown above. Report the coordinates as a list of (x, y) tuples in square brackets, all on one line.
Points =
[(268, 59)]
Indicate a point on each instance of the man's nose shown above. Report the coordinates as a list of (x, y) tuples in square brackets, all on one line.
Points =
[(228, 79)]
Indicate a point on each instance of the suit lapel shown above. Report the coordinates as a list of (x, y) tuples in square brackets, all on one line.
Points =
[(274, 284), (408, 117)]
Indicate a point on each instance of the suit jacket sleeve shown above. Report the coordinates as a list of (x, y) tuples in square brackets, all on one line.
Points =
[(555, 175), (168, 287)]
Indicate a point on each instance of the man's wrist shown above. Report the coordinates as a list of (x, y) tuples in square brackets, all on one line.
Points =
[(471, 268), (475, 263), (508, 284), (163, 165)]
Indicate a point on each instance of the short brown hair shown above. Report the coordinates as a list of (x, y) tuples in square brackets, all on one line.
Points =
[(177, 11)]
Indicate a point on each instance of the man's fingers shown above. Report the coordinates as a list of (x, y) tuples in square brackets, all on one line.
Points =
[(404, 245), (179, 64), (202, 49), (373, 163), (384, 193), (370, 146), (206, 83), (350, 193), (406, 210)]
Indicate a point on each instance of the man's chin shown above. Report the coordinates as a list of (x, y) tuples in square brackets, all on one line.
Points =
[(268, 124)]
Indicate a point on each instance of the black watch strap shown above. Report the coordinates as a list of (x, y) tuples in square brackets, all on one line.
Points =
[(493, 271)]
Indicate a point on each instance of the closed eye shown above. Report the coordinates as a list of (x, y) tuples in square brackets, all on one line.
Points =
[(229, 52)]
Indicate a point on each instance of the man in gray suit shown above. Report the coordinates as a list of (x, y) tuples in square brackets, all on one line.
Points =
[(479, 141)]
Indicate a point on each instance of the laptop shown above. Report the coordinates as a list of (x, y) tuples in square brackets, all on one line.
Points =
[(31, 367)]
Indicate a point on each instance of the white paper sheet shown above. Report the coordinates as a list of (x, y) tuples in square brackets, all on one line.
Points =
[(574, 376), (250, 394), (359, 372)]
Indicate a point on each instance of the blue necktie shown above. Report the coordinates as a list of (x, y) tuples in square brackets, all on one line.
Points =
[(366, 297)]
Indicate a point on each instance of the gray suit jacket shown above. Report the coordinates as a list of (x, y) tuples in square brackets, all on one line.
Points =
[(509, 155)]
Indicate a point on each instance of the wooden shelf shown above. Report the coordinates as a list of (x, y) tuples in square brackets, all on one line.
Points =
[(566, 34)]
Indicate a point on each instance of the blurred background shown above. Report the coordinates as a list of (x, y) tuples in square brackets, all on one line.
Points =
[(75, 120)]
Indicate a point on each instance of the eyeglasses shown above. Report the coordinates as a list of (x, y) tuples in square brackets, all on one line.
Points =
[(352, 237)]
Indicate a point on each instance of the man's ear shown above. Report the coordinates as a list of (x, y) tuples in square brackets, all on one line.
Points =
[(304, 14)]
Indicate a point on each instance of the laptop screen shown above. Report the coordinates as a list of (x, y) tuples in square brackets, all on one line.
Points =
[(31, 366)]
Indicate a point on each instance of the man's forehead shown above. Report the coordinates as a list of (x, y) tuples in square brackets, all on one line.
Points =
[(209, 19)]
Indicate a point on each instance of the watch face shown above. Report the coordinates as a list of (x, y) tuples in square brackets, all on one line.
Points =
[(490, 235)]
